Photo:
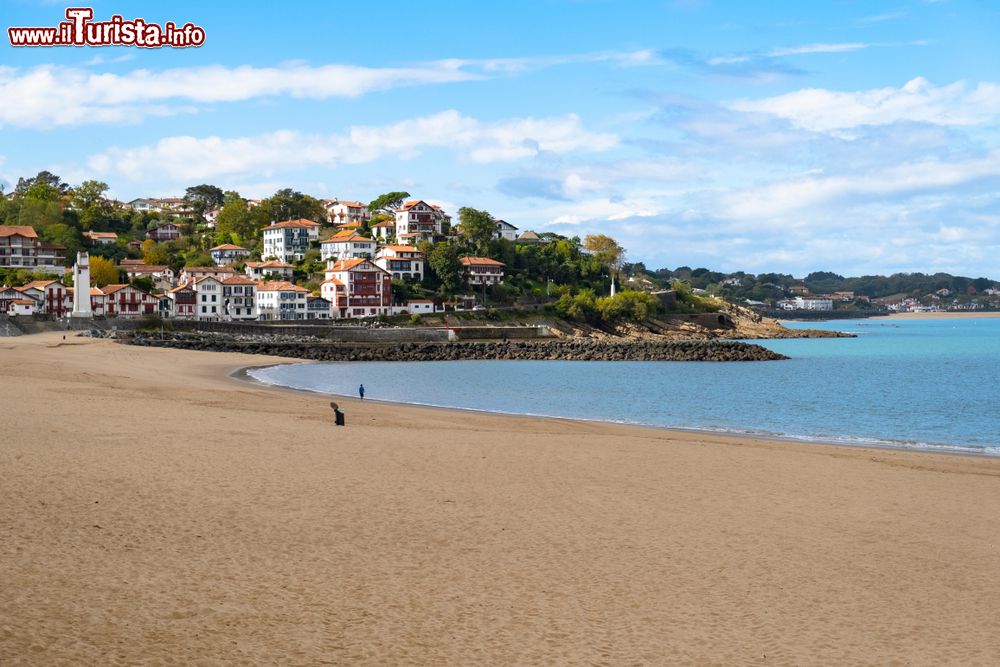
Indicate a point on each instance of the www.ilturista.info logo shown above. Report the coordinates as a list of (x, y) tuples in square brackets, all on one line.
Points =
[(81, 30)]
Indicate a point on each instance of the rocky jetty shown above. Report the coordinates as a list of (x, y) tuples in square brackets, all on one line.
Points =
[(304, 347)]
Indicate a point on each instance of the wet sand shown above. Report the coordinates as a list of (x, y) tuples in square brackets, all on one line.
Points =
[(157, 510)]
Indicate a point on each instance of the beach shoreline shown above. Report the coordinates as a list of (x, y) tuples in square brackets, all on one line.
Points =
[(243, 375), (965, 315), (159, 509)]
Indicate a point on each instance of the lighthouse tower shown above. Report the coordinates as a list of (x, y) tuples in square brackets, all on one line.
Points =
[(81, 286)]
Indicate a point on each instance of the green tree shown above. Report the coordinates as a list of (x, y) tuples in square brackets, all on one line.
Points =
[(235, 220), (388, 202), (288, 204), (66, 236), (93, 207), (204, 197), (478, 227), (444, 262), (155, 254), (607, 251), (43, 178)]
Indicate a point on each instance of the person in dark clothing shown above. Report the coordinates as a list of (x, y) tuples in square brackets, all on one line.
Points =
[(361, 392)]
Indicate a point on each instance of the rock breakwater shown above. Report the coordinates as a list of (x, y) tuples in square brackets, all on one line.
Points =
[(301, 347)]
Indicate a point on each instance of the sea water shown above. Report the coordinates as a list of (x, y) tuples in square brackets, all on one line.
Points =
[(924, 383)]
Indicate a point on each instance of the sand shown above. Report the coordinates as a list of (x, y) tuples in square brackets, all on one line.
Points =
[(157, 511)]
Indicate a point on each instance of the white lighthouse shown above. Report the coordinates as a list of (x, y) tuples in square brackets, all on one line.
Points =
[(81, 286)]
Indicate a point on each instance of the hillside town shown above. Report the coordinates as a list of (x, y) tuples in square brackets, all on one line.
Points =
[(216, 256)]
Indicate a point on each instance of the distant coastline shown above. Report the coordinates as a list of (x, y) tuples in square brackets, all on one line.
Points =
[(946, 315)]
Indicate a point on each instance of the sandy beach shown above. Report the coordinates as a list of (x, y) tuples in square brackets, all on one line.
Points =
[(156, 510)]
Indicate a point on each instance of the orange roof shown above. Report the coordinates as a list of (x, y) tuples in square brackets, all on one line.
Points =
[(346, 264), (279, 286), (385, 223), (209, 269), (227, 246), (109, 289), (101, 235), (25, 288), (25, 302), (402, 248), (132, 262), (180, 288), (345, 236), (353, 204), (239, 280), (332, 281), (293, 224), (480, 261), (39, 284), (272, 264), (18, 230)]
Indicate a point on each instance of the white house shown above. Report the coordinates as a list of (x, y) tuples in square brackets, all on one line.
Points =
[(161, 274), (418, 221), (342, 212), (505, 230), (402, 261), (289, 240), (384, 229), (185, 302), (347, 245), (239, 298), (357, 288), (227, 253), (20, 248), (318, 308), (482, 270), (281, 301), (209, 305), (23, 306), (808, 303), (190, 274), (168, 231), (271, 270), (101, 238), (414, 307)]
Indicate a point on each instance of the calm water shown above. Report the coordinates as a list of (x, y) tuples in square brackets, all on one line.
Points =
[(911, 383)]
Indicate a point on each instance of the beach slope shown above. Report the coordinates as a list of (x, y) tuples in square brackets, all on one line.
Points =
[(156, 510)]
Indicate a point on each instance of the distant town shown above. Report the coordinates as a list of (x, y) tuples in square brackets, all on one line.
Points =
[(214, 255)]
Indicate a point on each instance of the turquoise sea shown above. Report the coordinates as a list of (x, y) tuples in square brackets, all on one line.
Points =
[(927, 383)]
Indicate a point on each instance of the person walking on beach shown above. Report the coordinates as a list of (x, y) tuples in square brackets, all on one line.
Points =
[(361, 392)]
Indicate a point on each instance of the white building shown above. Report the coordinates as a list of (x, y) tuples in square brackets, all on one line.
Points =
[(20, 248), (357, 288), (239, 298), (402, 261), (414, 307), (227, 253), (418, 221), (505, 230), (161, 274), (812, 303), (271, 270), (289, 240), (190, 274), (209, 304), (383, 230), (318, 308), (347, 245), (342, 212), (482, 270), (101, 238), (281, 301)]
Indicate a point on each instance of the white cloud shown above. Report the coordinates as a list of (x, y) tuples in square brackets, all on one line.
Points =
[(51, 96), (817, 48), (784, 197), (195, 158), (821, 110)]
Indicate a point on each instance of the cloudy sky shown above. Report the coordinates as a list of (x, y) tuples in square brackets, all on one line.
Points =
[(857, 137)]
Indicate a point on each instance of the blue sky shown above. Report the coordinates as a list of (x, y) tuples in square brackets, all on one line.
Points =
[(857, 137)]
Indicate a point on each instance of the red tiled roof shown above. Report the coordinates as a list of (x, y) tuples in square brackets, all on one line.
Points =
[(332, 281), (143, 268), (480, 261), (403, 248), (384, 223), (18, 230), (239, 280), (101, 235), (227, 246), (279, 286), (293, 224), (25, 302), (272, 264)]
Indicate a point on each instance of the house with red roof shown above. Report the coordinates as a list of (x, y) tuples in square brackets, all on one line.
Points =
[(418, 221), (227, 253), (347, 245), (357, 288), (482, 270), (341, 212), (402, 261)]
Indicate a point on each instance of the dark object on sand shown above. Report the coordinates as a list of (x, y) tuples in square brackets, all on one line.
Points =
[(338, 415)]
